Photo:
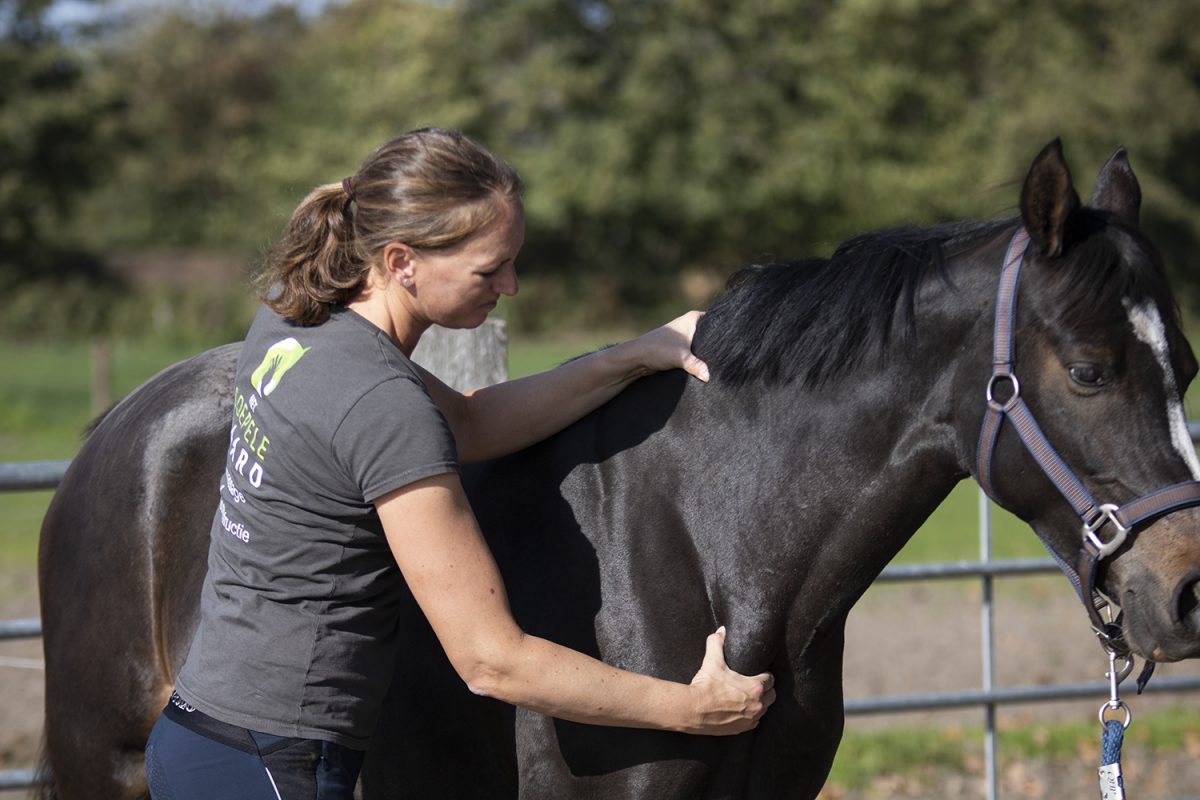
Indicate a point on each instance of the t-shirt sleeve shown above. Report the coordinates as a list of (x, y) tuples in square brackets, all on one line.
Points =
[(393, 436)]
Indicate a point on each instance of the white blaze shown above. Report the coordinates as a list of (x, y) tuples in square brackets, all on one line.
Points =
[(1148, 326)]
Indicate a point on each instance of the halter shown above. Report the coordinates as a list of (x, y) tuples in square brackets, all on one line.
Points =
[(1095, 516)]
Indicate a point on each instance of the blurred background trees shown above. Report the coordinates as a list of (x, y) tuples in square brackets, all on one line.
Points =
[(54, 149), (153, 153)]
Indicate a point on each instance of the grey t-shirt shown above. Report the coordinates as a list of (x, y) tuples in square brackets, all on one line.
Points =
[(297, 633)]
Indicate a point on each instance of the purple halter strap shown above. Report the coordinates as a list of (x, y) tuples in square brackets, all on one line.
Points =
[(1095, 516)]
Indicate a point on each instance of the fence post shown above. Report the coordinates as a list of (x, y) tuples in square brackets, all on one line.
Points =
[(465, 359), (100, 373), (987, 641)]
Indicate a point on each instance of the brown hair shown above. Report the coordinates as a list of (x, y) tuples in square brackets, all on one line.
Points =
[(430, 189)]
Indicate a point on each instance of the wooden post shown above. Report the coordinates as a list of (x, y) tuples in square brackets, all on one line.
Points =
[(466, 359), (100, 373)]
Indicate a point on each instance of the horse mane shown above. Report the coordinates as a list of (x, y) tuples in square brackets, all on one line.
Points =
[(817, 319)]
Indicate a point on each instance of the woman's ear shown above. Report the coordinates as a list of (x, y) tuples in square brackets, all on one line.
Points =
[(398, 261)]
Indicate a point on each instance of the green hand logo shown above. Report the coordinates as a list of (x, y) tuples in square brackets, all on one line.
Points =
[(280, 357)]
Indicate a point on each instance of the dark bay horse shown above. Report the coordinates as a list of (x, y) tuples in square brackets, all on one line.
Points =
[(847, 401)]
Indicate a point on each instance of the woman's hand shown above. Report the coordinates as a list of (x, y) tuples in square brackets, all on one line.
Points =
[(728, 702), (670, 347)]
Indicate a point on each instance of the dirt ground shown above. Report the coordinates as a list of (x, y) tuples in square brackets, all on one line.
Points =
[(901, 639), (20, 679)]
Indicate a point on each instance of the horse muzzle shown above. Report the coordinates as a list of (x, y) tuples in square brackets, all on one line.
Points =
[(1160, 595)]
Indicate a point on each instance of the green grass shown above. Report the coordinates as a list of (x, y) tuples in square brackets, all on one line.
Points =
[(526, 357), (862, 757), (45, 401), (44, 407), (865, 756), (952, 532)]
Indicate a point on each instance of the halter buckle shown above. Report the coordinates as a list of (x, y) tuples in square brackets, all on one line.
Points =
[(1107, 514)]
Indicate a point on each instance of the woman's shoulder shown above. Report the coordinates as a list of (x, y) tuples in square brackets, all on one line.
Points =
[(332, 364)]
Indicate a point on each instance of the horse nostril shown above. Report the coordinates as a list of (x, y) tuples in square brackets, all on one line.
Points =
[(1187, 599)]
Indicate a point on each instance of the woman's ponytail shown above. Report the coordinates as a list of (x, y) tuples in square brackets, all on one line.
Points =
[(315, 264)]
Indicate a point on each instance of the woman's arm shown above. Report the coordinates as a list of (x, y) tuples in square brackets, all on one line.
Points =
[(504, 418), (451, 572)]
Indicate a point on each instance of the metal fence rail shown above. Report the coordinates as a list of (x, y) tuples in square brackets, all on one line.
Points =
[(47, 474), (18, 779), (943, 701), (30, 475)]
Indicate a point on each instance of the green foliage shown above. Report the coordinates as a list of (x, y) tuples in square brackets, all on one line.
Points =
[(659, 140), (47, 146), (199, 92), (53, 147), (661, 137)]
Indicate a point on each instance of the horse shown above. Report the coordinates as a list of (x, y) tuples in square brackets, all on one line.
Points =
[(848, 398)]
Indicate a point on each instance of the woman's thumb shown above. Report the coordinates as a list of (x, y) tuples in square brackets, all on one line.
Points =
[(714, 650), (695, 367)]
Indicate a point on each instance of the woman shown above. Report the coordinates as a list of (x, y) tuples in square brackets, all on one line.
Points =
[(343, 466)]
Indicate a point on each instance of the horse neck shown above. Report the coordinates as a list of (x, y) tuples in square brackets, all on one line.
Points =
[(824, 485)]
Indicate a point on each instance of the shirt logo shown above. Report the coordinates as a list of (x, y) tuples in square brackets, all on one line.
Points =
[(280, 357)]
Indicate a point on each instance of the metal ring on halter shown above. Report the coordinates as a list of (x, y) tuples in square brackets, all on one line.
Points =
[(1120, 706), (1016, 387), (1107, 514)]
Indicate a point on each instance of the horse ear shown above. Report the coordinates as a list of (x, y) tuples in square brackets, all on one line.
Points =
[(1117, 188), (1048, 200)]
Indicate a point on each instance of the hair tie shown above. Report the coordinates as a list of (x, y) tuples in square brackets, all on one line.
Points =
[(346, 188)]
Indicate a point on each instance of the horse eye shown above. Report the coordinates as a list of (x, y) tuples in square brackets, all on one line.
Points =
[(1088, 375)]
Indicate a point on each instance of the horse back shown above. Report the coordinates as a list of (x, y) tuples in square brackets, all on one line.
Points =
[(121, 559)]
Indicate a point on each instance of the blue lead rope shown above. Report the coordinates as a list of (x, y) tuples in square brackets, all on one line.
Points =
[(1112, 785)]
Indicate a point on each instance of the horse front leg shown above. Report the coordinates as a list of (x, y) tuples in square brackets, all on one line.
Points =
[(796, 741)]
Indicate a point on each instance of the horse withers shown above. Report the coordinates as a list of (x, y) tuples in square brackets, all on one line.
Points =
[(847, 400)]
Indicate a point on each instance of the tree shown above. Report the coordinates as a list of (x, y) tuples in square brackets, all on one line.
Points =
[(199, 91), (53, 148), (49, 147), (698, 134)]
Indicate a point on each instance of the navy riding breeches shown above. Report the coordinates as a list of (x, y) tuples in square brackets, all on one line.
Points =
[(191, 756)]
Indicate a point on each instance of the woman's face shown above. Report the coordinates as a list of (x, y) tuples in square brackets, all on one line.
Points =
[(456, 288)]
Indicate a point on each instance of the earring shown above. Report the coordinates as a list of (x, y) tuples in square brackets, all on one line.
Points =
[(406, 282)]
